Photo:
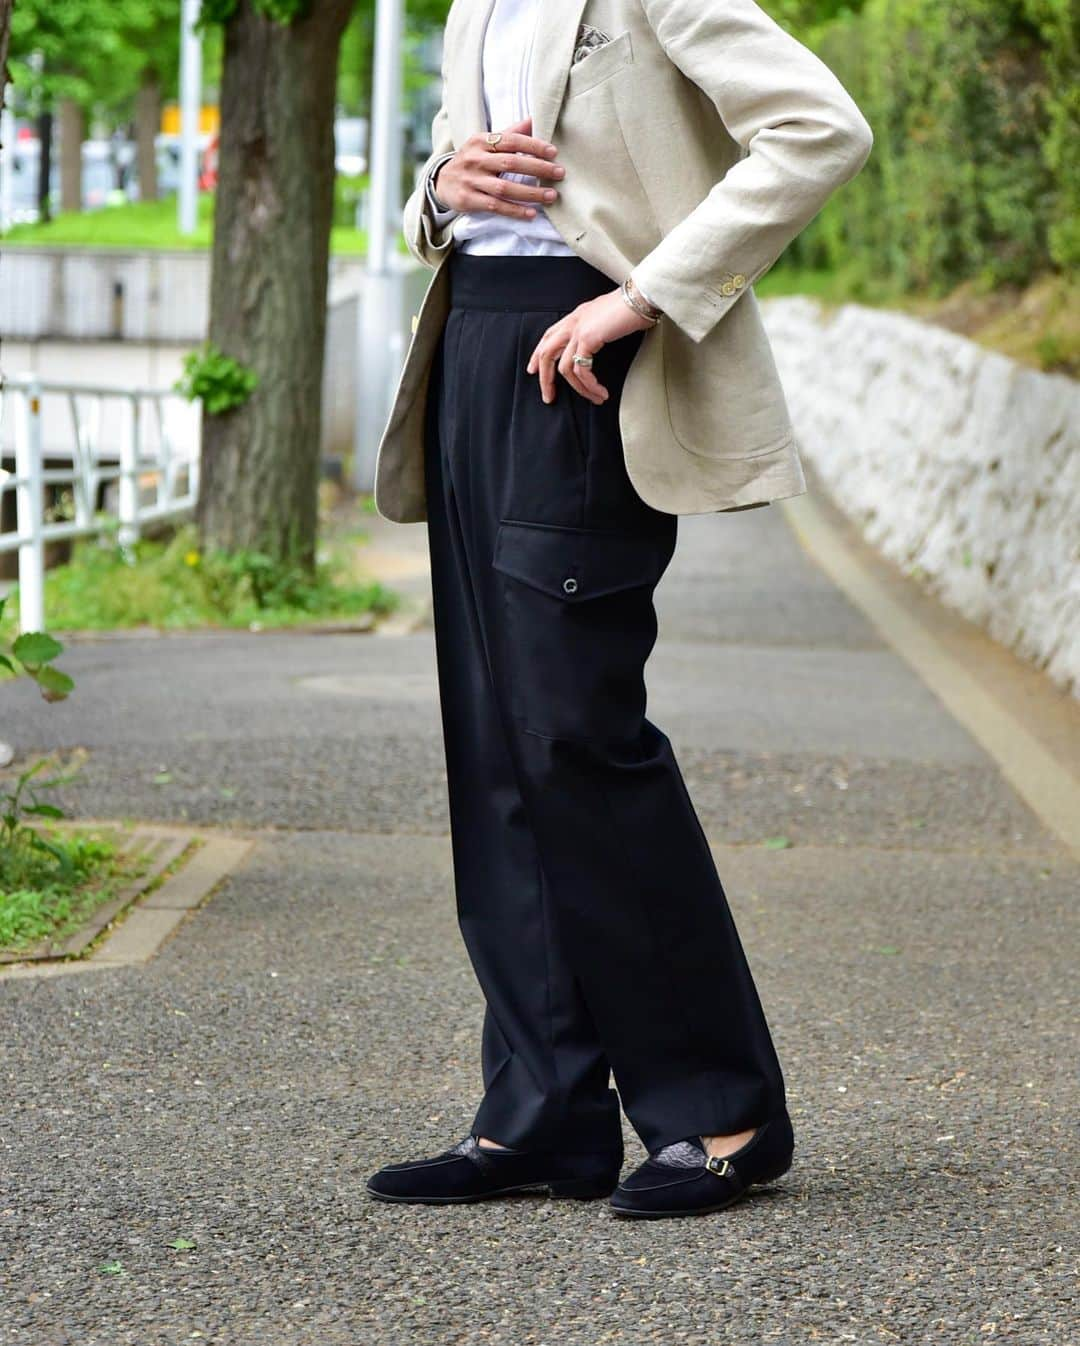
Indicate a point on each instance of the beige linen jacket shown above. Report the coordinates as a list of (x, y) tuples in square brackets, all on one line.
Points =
[(697, 143)]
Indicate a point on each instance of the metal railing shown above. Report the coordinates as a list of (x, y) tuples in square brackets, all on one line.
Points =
[(122, 458)]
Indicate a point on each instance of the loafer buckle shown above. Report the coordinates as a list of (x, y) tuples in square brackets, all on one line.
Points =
[(721, 1167)]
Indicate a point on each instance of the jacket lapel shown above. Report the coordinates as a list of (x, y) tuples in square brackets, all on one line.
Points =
[(553, 50), (465, 74)]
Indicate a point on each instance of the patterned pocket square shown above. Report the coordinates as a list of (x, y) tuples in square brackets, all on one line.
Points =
[(588, 39)]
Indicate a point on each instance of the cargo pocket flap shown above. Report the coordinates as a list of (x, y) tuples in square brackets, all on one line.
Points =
[(576, 564)]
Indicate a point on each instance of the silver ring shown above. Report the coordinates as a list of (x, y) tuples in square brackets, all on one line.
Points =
[(585, 361)]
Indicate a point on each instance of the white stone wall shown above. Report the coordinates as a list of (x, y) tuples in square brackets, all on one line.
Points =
[(64, 294), (958, 464)]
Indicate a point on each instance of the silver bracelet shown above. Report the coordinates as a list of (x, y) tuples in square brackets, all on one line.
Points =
[(649, 313)]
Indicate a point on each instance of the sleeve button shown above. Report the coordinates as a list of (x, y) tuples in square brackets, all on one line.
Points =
[(569, 586)]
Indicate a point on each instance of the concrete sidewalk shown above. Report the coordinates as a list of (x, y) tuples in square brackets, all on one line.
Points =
[(914, 946)]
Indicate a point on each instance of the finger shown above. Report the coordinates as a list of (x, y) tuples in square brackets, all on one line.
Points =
[(475, 200), (549, 338), (528, 164), (550, 353), (570, 373), (594, 389), (508, 190), (582, 376), (520, 137), (589, 346), (478, 201), (511, 144)]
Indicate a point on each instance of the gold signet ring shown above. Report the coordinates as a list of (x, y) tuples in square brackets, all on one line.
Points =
[(493, 138)]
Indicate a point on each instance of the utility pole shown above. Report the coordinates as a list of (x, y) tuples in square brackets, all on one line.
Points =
[(378, 337), (190, 108)]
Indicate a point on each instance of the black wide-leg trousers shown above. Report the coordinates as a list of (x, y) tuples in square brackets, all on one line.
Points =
[(586, 892)]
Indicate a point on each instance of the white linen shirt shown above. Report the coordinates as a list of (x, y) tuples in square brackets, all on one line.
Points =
[(507, 56)]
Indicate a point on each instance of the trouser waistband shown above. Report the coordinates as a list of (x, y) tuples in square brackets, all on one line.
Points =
[(524, 284)]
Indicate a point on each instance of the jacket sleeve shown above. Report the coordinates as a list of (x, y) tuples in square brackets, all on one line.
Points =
[(427, 241), (439, 213), (801, 134)]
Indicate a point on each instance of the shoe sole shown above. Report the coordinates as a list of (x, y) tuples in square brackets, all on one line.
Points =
[(625, 1214), (571, 1189)]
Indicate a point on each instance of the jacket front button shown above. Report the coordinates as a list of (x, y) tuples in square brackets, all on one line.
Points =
[(738, 281), (728, 288), (569, 586)]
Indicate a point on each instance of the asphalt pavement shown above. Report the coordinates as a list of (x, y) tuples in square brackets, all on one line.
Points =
[(184, 1144)]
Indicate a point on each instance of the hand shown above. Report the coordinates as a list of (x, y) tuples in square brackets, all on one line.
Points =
[(471, 181), (583, 332)]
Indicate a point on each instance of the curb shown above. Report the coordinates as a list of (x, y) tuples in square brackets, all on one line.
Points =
[(151, 919), (1045, 785), (412, 618)]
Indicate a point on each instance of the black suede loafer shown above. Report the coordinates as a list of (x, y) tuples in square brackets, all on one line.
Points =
[(473, 1172), (682, 1179)]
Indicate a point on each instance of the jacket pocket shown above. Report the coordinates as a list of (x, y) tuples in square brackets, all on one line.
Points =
[(579, 626), (600, 64)]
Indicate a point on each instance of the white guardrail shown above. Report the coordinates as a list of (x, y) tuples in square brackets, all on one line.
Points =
[(126, 456)]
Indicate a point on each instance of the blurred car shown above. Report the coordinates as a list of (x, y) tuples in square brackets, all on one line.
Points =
[(167, 149), (107, 175)]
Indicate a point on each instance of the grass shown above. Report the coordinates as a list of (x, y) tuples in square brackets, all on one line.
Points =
[(42, 899), (152, 225), (173, 585), (140, 224)]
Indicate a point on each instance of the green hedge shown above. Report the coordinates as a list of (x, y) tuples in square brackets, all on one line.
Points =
[(975, 171)]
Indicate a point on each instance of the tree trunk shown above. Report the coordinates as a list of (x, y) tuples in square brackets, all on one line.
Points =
[(275, 190), (44, 183), (72, 135), (147, 121)]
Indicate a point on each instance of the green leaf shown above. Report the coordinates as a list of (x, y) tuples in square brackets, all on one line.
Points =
[(58, 853), (216, 379), (163, 778), (182, 1245), (5, 662), (54, 685), (32, 771), (777, 843), (36, 648), (44, 810), (112, 1268)]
